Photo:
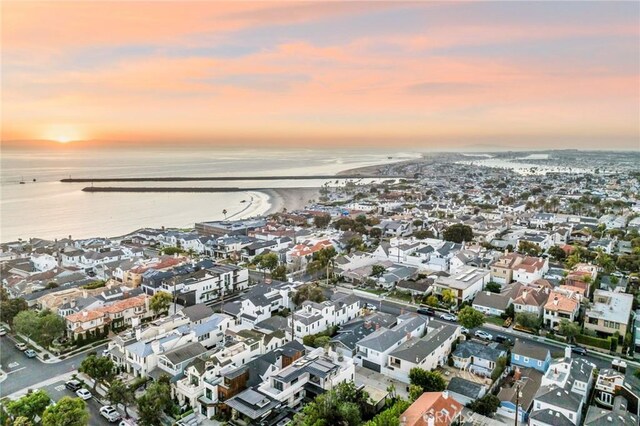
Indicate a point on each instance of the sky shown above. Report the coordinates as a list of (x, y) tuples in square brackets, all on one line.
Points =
[(431, 75)]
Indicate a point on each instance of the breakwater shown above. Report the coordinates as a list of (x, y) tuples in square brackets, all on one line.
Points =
[(222, 178), (163, 189)]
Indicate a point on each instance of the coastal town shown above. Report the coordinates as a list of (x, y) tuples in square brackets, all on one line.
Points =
[(453, 289)]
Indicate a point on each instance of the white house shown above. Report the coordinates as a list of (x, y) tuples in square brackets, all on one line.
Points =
[(465, 284)]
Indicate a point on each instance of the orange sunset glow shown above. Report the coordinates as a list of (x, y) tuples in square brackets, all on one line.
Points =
[(424, 74)]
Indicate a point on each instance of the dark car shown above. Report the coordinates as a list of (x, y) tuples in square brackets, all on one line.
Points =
[(73, 385), (503, 339), (578, 350), (426, 311)]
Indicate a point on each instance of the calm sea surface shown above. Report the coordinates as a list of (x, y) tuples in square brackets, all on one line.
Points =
[(48, 208)]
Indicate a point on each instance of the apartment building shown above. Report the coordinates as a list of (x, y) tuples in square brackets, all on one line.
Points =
[(609, 313)]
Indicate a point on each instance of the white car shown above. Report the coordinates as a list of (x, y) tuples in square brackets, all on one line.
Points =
[(110, 413), (84, 394), (21, 346), (449, 317), (371, 307), (464, 330), (3, 331), (483, 335)]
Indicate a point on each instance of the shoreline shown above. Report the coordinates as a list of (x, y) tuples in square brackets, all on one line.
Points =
[(289, 198)]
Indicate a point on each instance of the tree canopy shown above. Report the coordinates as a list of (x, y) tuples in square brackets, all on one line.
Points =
[(119, 393), (470, 318), (155, 401), (160, 302), (29, 406), (486, 406), (308, 292), (528, 320), (43, 327), (429, 381), (458, 233), (342, 405), (99, 368), (9, 308), (66, 412)]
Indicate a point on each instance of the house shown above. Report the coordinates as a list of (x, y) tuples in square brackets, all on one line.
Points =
[(527, 354), (260, 302), (516, 267), (344, 343), (372, 351), (496, 303), (477, 358), (561, 305), (314, 318), (610, 383), (609, 313), (440, 258), (175, 361), (432, 409), (197, 314), (521, 389), (427, 352), (466, 284), (618, 415), (121, 313), (531, 300), (465, 391), (563, 392), (305, 378)]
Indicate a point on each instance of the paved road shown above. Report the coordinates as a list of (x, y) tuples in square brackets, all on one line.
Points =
[(57, 391), (23, 372)]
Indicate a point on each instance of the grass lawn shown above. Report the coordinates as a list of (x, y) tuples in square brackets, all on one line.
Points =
[(377, 291), (401, 295), (494, 320)]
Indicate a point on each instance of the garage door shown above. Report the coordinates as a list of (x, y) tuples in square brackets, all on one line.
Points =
[(371, 365)]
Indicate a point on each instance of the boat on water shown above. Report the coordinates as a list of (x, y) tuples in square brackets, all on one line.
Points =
[(22, 182), (243, 201)]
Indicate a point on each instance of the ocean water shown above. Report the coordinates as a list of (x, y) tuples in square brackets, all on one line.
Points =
[(47, 208)]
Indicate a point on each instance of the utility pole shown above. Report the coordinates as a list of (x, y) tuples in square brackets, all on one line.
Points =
[(517, 402), (175, 296)]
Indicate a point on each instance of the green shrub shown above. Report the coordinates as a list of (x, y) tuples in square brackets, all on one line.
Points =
[(593, 341), (94, 284)]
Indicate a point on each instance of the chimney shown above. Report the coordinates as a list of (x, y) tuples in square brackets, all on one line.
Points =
[(377, 326), (73, 303), (85, 314), (445, 394), (429, 419), (555, 300), (567, 352)]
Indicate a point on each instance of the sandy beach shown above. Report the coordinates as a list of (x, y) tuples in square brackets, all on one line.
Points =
[(290, 198)]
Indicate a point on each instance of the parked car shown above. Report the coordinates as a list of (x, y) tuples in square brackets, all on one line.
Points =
[(110, 413), (73, 385), (448, 317), (84, 394), (371, 307), (503, 339), (483, 335), (578, 350), (3, 331), (30, 353), (426, 311), (127, 422), (464, 330), (21, 346)]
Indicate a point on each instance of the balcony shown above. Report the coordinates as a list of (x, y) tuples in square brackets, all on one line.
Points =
[(189, 390)]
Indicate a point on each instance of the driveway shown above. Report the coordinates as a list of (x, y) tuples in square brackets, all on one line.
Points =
[(376, 380)]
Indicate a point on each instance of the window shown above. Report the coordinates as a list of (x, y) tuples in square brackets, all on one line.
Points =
[(539, 363), (277, 385), (526, 359), (516, 357)]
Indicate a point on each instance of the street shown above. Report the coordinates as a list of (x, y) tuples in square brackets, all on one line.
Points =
[(23, 372), (57, 391)]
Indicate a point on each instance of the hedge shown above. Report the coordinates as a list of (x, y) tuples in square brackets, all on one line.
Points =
[(593, 341)]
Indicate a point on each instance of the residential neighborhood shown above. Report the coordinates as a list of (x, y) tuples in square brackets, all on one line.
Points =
[(457, 295)]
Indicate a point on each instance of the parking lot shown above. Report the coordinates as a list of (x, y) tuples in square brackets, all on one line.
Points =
[(57, 391)]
